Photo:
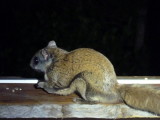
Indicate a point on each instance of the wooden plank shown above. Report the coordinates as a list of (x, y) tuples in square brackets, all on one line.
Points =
[(24, 101), (27, 94)]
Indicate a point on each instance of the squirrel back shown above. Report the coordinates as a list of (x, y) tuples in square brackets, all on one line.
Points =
[(141, 97)]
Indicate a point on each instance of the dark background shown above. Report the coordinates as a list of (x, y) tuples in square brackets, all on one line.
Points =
[(126, 31)]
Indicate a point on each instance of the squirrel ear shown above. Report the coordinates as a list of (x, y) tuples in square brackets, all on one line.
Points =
[(45, 54), (52, 44)]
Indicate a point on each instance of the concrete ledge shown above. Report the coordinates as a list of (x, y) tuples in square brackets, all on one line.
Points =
[(70, 111)]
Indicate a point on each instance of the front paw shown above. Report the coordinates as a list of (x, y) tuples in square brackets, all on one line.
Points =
[(50, 90), (46, 87), (40, 85)]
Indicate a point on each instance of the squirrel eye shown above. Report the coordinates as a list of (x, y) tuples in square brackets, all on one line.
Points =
[(36, 60)]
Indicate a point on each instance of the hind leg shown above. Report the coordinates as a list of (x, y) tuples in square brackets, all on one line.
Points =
[(79, 85)]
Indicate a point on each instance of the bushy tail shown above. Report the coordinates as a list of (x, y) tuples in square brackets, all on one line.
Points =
[(141, 97)]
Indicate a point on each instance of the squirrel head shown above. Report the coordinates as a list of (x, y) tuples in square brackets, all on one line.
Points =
[(42, 59)]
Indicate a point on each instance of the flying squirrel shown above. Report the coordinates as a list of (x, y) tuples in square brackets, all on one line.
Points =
[(92, 75)]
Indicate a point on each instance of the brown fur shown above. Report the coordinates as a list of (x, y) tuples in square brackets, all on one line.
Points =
[(141, 97), (86, 71), (92, 75)]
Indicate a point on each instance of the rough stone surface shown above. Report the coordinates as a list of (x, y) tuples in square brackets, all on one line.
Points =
[(70, 110)]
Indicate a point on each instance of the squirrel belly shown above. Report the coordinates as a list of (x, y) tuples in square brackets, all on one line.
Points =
[(141, 97)]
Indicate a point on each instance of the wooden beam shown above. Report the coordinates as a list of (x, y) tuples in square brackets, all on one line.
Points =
[(24, 101)]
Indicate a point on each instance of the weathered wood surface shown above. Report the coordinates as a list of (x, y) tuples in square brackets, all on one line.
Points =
[(24, 101)]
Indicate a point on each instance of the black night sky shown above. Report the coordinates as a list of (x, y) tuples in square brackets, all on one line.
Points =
[(126, 31)]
